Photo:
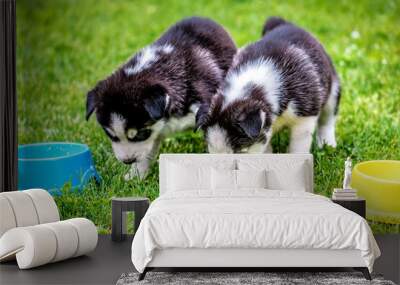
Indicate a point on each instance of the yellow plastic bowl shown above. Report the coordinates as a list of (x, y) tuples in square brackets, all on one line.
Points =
[(378, 181)]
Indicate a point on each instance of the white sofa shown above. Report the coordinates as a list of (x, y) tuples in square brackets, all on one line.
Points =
[(31, 231)]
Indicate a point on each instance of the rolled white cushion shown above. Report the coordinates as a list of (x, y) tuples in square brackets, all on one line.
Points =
[(26, 208), (33, 246), (46, 208), (87, 234), (67, 240), (23, 208), (41, 244), (7, 218)]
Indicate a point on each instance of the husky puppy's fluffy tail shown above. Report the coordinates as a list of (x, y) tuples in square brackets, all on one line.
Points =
[(271, 23)]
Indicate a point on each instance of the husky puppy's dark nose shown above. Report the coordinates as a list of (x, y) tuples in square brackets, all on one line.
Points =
[(129, 160)]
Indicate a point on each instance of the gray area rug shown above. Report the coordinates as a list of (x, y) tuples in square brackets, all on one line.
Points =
[(233, 278)]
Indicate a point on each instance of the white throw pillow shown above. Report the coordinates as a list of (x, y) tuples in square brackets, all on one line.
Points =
[(223, 179), (187, 175), (230, 180), (251, 178), (184, 178), (295, 181), (282, 174)]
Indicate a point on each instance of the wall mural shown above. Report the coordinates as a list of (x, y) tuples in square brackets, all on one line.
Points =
[(104, 87)]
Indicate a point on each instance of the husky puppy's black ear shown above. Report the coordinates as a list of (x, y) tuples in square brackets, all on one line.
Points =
[(155, 101), (90, 103), (201, 116), (92, 97), (208, 112), (251, 124)]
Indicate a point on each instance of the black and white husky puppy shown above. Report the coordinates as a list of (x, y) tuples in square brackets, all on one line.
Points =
[(284, 79), (158, 90)]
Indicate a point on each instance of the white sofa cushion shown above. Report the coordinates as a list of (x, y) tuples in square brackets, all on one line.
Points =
[(44, 204), (7, 220), (40, 244), (87, 234), (32, 246), (23, 208), (66, 237), (26, 208)]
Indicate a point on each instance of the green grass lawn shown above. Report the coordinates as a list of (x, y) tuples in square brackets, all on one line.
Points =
[(64, 47)]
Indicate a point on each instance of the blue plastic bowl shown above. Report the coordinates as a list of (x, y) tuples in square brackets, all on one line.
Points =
[(51, 165)]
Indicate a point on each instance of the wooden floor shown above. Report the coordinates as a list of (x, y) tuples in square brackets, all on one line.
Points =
[(111, 259)]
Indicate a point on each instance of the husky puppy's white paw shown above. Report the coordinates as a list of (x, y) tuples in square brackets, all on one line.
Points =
[(327, 119), (326, 137), (129, 175), (136, 170)]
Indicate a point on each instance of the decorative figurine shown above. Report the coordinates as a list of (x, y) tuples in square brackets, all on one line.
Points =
[(347, 174)]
